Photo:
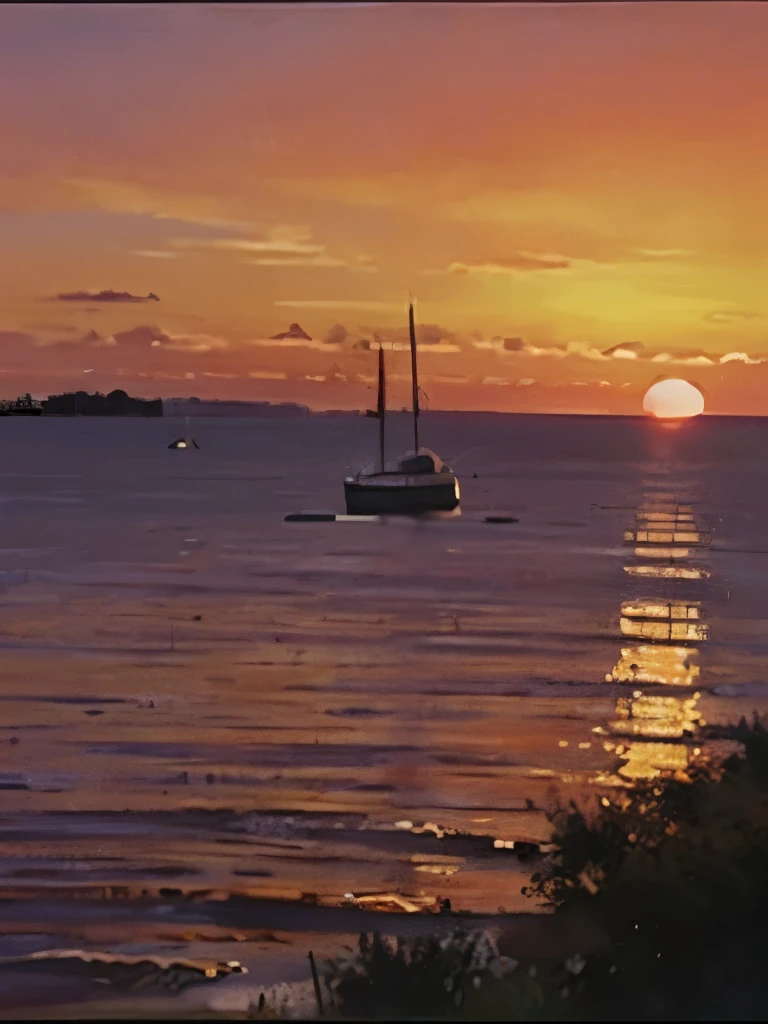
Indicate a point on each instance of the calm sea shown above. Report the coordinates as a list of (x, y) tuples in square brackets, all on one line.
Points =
[(196, 696)]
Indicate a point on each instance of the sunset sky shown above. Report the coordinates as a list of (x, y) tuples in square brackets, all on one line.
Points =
[(576, 195)]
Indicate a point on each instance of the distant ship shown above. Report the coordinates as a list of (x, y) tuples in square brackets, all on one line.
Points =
[(415, 483), (25, 405)]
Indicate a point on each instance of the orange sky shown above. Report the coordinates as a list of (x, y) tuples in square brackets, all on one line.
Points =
[(586, 181)]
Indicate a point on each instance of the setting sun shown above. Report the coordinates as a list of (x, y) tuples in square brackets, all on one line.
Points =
[(673, 399)]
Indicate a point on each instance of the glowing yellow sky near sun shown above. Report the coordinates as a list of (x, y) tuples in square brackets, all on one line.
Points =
[(569, 175)]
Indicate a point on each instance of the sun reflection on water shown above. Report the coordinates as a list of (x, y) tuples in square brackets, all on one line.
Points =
[(654, 630), (669, 553), (667, 572), (650, 760), (667, 536), (654, 663), (656, 717), (657, 734)]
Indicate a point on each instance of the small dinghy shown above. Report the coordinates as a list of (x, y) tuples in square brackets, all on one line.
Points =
[(186, 441)]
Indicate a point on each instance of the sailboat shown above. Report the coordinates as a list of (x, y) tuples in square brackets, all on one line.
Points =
[(415, 483)]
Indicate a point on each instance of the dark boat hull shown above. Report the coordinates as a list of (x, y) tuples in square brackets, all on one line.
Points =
[(25, 412), (368, 499)]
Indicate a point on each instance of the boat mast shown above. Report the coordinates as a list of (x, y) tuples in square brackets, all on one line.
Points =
[(414, 378), (381, 405)]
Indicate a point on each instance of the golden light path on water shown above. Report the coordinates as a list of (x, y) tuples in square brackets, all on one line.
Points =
[(652, 734)]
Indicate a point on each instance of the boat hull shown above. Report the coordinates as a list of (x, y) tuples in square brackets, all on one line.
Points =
[(407, 498)]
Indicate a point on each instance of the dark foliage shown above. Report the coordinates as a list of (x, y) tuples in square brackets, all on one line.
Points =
[(672, 875)]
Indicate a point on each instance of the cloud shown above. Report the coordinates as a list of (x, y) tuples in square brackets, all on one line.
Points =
[(431, 338), (585, 350), (147, 336), (696, 361), (285, 245), (630, 351), (518, 263), (55, 328), (554, 351), (294, 331), (447, 378), (636, 350), (267, 245), (336, 334), (313, 343), (287, 239), (147, 375), (662, 254), (511, 347), (155, 254), (451, 358), (741, 357), (130, 198), (365, 264), (443, 347), (499, 344), (335, 373), (297, 337), (322, 260), (108, 295), (141, 336), (526, 206), (51, 338), (220, 223), (513, 344), (625, 350), (191, 343), (92, 339), (353, 305), (731, 316), (382, 192)]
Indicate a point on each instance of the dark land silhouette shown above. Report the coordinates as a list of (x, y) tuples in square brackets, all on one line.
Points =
[(116, 403)]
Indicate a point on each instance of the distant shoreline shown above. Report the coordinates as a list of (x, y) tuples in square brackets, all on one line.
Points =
[(430, 413), (253, 411)]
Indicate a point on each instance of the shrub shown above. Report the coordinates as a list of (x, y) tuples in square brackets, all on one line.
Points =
[(672, 874)]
